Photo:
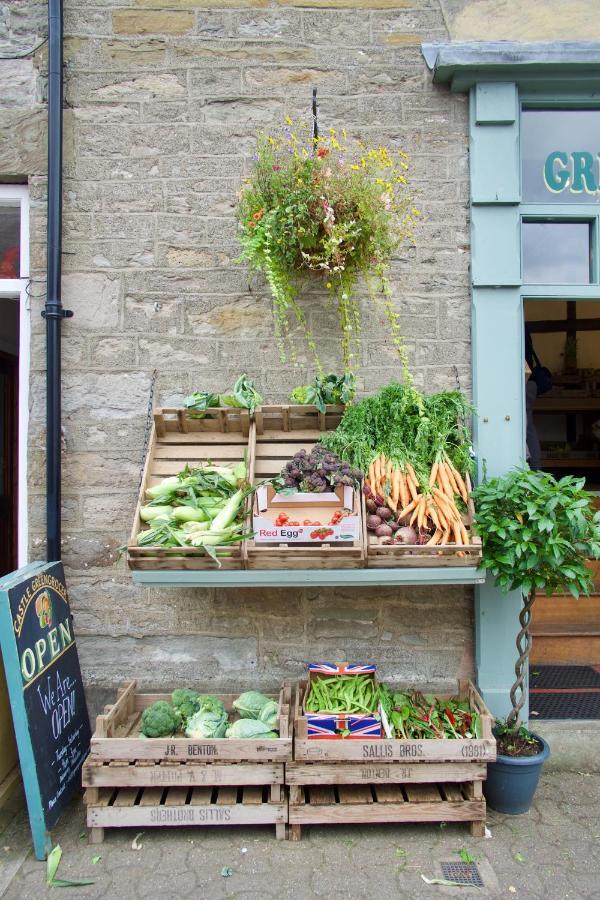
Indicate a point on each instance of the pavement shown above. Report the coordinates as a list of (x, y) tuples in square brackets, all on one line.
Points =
[(552, 852)]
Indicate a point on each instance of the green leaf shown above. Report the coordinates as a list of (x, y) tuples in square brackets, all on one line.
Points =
[(519, 857), (52, 864), (96, 859), (226, 871), (466, 856)]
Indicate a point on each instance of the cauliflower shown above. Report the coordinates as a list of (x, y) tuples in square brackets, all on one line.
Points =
[(250, 728), (160, 720)]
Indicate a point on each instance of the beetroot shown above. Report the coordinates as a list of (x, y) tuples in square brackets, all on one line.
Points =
[(383, 530), (373, 522), (371, 505), (384, 512), (406, 535), (394, 526)]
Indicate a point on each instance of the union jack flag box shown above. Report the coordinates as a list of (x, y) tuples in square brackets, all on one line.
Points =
[(340, 726)]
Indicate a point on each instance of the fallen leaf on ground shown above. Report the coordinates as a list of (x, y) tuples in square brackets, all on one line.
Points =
[(52, 865), (136, 844), (487, 833), (519, 857), (443, 881), (96, 859), (466, 856), (512, 889), (226, 871)]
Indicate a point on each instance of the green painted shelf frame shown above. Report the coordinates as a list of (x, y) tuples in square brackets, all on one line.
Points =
[(308, 577)]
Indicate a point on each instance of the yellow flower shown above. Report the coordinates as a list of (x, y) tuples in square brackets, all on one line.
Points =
[(355, 167), (288, 121), (329, 285)]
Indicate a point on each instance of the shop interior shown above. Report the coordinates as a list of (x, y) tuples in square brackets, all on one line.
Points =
[(566, 633)]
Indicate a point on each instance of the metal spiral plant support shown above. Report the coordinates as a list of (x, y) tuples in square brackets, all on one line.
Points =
[(517, 691)]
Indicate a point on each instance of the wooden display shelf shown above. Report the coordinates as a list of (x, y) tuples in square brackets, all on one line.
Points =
[(135, 781), (379, 780), (178, 438)]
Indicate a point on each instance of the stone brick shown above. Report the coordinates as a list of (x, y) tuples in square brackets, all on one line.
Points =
[(181, 353), (127, 21), (144, 53), (169, 661), (278, 78), (19, 81), (349, 4), (114, 352), (94, 299), (105, 396), (203, 4)]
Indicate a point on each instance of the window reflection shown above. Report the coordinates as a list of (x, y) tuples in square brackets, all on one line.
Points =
[(10, 241), (556, 252), (560, 152)]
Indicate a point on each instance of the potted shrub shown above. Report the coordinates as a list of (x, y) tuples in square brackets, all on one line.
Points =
[(537, 533), (320, 208)]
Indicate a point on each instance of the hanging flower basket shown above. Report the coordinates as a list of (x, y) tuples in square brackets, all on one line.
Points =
[(318, 208)]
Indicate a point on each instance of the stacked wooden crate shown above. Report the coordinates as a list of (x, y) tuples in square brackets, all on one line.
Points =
[(347, 781), (135, 781)]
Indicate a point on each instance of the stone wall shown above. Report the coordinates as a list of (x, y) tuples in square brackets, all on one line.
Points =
[(163, 100)]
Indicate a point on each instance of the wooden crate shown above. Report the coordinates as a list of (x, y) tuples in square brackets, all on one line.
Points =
[(395, 556), (280, 432), (131, 780), (179, 439), (381, 780)]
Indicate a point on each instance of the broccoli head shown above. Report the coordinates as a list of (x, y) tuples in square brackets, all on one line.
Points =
[(160, 720), (186, 702)]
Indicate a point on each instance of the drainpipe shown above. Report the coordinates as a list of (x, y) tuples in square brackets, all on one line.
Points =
[(53, 311)]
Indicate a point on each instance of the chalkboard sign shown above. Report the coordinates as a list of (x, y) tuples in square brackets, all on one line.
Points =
[(46, 691)]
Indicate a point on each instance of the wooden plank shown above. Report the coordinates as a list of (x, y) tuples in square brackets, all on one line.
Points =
[(146, 772), (201, 796), (151, 796), (126, 797), (382, 773), (355, 793), (252, 796), (226, 796), (466, 811), (321, 794), (423, 793), (379, 751), (178, 816), (176, 796), (273, 750), (451, 792), (389, 793)]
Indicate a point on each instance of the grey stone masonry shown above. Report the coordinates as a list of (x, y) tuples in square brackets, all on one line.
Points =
[(163, 101)]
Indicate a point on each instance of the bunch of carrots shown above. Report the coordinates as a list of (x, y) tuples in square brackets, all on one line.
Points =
[(431, 507)]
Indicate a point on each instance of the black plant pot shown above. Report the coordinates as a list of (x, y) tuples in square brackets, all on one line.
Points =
[(512, 780)]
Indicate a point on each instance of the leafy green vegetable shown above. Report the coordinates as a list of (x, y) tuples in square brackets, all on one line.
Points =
[(244, 395), (326, 389), (417, 716), (250, 704), (406, 426), (250, 728), (200, 401), (207, 724), (269, 715), (160, 720)]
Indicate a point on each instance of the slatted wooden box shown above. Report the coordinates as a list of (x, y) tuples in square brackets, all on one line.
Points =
[(381, 780), (280, 432), (393, 556), (135, 781), (178, 438)]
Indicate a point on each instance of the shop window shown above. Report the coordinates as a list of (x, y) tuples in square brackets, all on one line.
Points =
[(556, 252), (560, 155), (10, 241)]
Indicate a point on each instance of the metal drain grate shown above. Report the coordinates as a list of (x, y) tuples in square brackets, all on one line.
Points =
[(462, 873)]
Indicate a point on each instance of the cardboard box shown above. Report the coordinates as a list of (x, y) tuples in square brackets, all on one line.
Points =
[(326, 725), (317, 509)]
